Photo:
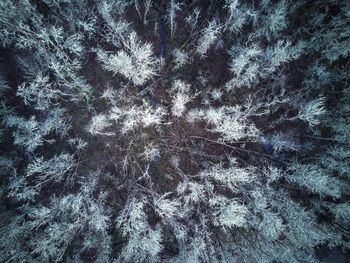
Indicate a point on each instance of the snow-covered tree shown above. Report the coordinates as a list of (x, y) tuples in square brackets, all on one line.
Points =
[(135, 63)]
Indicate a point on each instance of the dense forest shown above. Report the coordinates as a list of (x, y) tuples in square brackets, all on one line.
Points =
[(174, 131)]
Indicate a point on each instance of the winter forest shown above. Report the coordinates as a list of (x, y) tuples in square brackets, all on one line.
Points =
[(175, 131)]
